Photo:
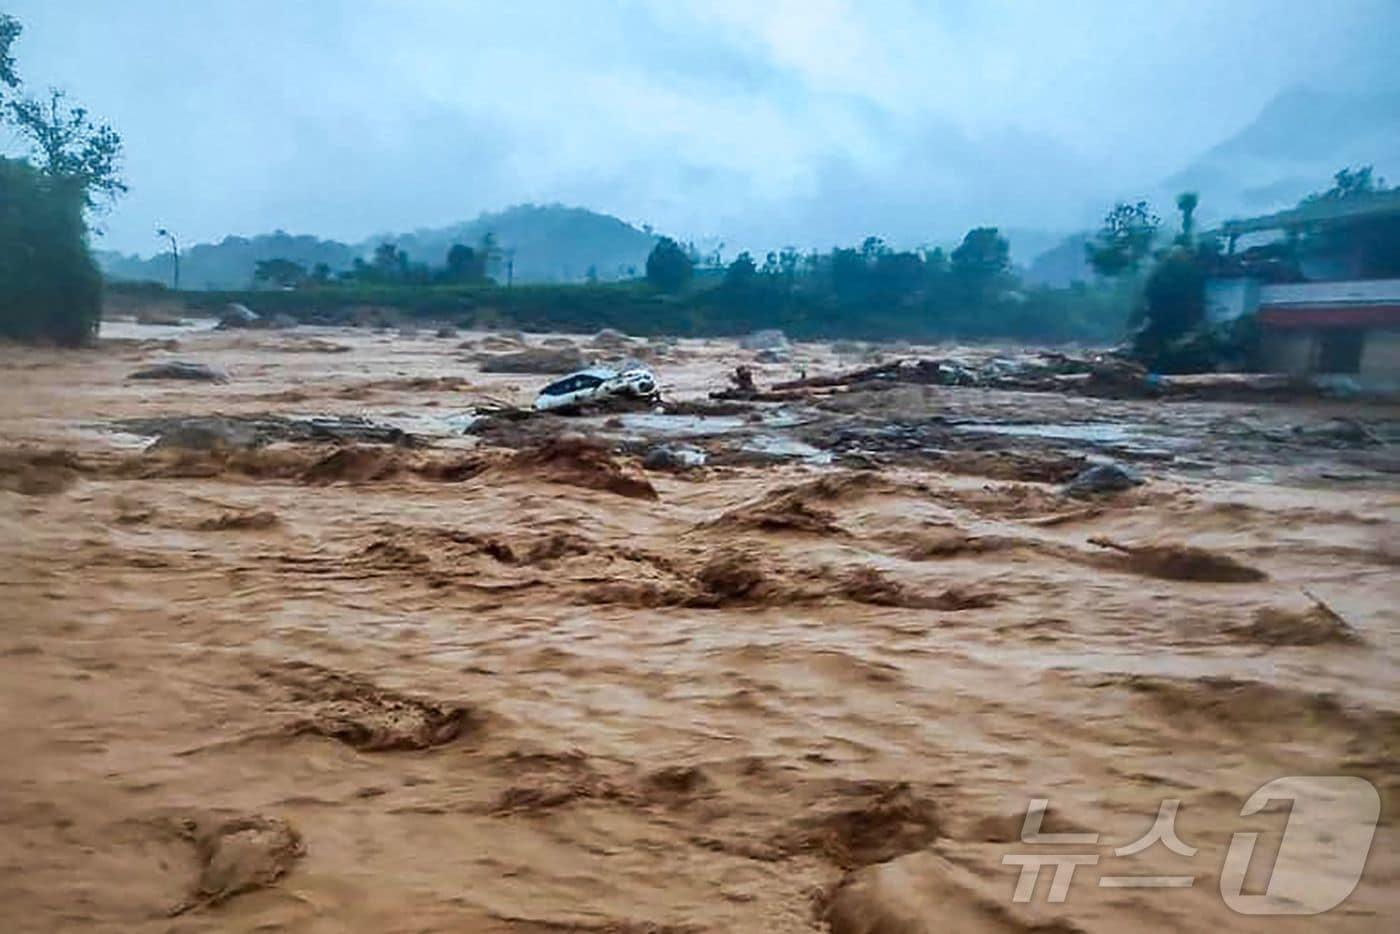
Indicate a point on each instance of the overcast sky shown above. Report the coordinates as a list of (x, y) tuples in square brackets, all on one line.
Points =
[(781, 121)]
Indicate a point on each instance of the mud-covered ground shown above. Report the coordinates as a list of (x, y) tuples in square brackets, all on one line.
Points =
[(498, 677)]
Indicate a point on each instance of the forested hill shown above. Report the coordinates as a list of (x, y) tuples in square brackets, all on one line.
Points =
[(229, 263), (551, 243), (547, 244)]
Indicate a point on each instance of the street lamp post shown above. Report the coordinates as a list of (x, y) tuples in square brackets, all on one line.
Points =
[(175, 253)]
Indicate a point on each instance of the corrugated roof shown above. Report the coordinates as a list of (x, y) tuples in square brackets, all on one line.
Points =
[(1317, 212)]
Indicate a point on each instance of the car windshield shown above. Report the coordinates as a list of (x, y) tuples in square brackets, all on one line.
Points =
[(571, 384)]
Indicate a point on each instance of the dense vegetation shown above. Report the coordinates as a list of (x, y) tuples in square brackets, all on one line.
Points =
[(50, 288), (870, 291)]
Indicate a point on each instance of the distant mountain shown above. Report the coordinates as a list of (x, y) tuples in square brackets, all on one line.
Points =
[(1290, 150), (229, 263), (1028, 242), (549, 243), (1293, 148), (1061, 265)]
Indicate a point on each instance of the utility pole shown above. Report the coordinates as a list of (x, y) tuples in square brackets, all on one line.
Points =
[(174, 252), (510, 267)]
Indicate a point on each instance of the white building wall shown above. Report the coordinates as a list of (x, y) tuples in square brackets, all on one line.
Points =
[(1369, 291)]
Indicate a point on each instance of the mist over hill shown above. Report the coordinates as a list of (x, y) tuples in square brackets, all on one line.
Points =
[(547, 243), (550, 243), (227, 264), (1292, 148), (1295, 145)]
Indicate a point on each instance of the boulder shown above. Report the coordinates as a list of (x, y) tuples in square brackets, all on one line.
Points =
[(1103, 478), (674, 458), (238, 316), (1346, 432), (510, 340), (181, 369), (206, 434)]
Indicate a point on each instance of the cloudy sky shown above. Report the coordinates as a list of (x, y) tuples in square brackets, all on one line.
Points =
[(782, 121)]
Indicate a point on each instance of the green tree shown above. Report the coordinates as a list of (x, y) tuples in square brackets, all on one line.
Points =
[(388, 263), (669, 266), (1350, 183), (1186, 203), (1172, 337), (898, 275), (1124, 240), (465, 264), (741, 273), (64, 142), (981, 263), (1370, 244), (50, 288), (279, 272), (872, 248), (9, 32)]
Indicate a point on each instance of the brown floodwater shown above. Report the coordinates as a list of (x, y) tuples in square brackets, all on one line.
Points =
[(454, 686)]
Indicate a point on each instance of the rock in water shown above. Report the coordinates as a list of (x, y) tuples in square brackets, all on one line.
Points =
[(238, 316), (240, 855), (210, 434), (506, 340), (1337, 431), (181, 369), (767, 339), (1103, 478), (673, 457)]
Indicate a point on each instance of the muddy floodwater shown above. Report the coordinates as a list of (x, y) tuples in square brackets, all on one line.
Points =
[(372, 652)]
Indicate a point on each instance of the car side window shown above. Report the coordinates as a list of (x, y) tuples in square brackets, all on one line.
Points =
[(572, 384), (559, 388)]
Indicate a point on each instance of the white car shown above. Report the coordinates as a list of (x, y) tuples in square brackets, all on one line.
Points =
[(594, 385)]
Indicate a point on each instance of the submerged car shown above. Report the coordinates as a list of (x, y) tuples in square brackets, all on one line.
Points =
[(594, 385)]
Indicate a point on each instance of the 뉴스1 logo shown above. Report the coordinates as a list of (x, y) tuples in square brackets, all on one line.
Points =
[(1325, 844)]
